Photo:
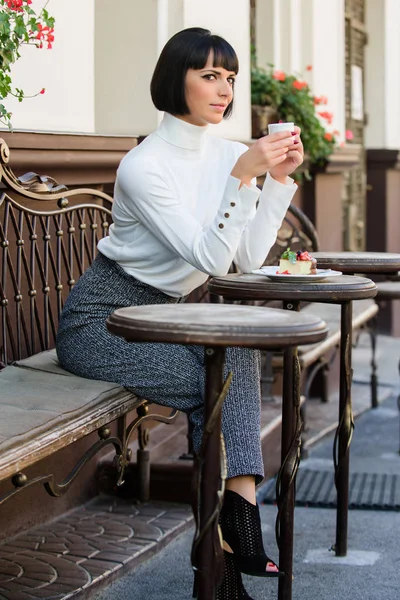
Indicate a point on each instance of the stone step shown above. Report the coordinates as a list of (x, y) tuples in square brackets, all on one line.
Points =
[(86, 547)]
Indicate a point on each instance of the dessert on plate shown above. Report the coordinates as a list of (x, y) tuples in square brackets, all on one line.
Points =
[(297, 263)]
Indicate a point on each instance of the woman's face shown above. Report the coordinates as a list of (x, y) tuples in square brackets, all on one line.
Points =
[(208, 93)]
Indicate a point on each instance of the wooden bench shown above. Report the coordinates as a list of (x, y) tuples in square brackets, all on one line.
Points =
[(48, 237)]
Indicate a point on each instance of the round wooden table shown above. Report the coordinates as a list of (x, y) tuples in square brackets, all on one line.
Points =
[(216, 326), (364, 263), (379, 263), (342, 290)]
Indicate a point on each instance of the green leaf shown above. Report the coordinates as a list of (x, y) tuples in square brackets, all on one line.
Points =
[(289, 255), (20, 28)]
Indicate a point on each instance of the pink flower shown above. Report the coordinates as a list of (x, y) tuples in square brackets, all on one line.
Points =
[(349, 135), (328, 136), (309, 68), (42, 91)]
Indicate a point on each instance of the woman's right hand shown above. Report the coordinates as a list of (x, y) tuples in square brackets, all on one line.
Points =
[(262, 156)]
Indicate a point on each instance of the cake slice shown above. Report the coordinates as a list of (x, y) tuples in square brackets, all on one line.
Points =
[(297, 263)]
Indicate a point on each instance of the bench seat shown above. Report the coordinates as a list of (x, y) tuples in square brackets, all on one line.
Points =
[(45, 408), (314, 356), (363, 311)]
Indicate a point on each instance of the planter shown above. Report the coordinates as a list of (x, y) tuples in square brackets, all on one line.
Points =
[(261, 116)]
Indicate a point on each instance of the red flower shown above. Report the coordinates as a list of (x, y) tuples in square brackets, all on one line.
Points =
[(328, 136), (326, 115), (279, 75), (42, 91), (15, 5), (349, 135), (309, 68), (299, 85), (45, 34)]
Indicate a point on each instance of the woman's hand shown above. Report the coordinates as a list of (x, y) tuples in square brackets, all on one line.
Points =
[(267, 154), (294, 158)]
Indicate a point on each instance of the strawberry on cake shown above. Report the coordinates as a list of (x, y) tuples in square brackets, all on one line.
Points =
[(297, 263)]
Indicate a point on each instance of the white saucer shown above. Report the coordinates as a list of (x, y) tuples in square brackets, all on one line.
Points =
[(272, 273)]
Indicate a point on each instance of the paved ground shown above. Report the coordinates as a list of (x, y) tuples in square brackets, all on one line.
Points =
[(371, 569)]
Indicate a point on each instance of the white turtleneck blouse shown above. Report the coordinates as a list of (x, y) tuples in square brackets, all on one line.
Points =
[(179, 216)]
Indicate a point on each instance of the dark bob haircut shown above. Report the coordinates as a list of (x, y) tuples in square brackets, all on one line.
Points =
[(188, 49)]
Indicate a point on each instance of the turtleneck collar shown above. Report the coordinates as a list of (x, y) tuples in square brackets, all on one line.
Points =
[(181, 133)]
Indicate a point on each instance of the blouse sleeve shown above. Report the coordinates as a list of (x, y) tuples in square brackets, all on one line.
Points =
[(260, 233), (143, 194)]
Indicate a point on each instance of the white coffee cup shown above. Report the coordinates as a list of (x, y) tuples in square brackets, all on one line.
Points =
[(275, 127)]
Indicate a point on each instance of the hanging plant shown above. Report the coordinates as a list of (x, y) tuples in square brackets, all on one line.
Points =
[(292, 100), (19, 25)]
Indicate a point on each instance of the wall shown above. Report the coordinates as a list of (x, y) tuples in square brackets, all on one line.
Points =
[(383, 74), (292, 34), (66, 72), (97, 75), (126, 50)]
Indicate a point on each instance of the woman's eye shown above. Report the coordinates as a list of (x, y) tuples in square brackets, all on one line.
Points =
[(209, 76), (231, 80)]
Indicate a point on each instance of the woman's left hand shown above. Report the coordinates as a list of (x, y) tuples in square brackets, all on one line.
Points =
[(295, 157)]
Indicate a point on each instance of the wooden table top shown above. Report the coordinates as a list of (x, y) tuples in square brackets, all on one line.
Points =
[(333, 290), (216, 325), (359, 262)]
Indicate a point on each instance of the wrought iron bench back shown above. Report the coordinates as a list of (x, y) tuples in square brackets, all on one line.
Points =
[(48, 237)]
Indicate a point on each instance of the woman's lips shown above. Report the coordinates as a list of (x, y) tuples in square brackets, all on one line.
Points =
[(219, 106)]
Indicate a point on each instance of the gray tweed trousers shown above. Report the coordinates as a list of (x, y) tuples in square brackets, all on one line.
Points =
[(166, 374)]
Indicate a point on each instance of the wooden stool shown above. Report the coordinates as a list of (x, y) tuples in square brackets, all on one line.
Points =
[(388, 291), (217, 326)]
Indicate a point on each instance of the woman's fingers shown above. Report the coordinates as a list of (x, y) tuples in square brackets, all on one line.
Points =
[(279, 135), (296, 157), (269, 151), (275, 153), (277, 161), (286, 141)]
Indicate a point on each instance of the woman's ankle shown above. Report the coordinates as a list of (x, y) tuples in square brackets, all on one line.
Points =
[(245, 486)]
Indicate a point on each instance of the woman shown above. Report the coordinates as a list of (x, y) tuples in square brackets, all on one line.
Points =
[(185, 207)]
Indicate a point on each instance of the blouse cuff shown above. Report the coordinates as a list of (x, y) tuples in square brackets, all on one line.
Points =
[(276, 187), (237, 206)]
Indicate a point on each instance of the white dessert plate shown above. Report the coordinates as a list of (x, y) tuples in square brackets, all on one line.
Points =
[(271, 273)]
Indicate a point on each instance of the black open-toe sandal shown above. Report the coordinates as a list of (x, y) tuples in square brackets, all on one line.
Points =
[(232, 587), (241, 530)]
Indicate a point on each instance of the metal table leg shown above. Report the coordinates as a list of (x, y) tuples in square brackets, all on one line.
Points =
[(341, 448), (290, 453), (207, 558)]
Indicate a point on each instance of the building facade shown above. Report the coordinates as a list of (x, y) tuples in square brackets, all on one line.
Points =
[(98, 73)]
